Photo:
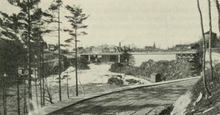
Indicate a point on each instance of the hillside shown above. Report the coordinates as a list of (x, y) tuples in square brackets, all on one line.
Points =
[(194, 101)]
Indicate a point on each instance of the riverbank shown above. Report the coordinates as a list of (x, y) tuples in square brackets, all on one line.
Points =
[(166, 70), (91, 81), (135, 100), (194, 101)]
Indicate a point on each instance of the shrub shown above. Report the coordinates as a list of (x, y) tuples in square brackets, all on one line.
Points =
[(82, 63), (116, 67)]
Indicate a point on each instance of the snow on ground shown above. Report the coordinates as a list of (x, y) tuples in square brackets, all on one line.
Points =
[(215, 57), (181, 104), (96, 74)]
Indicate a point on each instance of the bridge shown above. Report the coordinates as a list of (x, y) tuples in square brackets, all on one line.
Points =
[(131, 100), (138, 53), (115, 56)]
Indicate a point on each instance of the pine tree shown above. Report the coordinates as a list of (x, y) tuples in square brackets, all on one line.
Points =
[(56, 7), (31, 32), (76, 19)]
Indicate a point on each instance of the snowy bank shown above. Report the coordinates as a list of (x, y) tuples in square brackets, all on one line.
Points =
[(96, 74)]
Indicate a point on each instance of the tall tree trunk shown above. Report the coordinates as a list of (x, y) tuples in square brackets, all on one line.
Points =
[(204, 53), (17, 75), (25, 96), (59, 71), (218, 9), (210, 40), (35, 81), (43, 76), (31, 107), (76, 61), (50, 99), (67, 88), (4, 96), (40, 74), (18, 93)]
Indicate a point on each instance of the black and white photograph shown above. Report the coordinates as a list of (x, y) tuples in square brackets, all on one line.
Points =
[(109, 57)]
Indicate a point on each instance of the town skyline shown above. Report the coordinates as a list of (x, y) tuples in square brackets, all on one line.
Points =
[(142, 22)]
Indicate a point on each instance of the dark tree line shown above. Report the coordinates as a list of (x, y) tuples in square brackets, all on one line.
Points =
[(22, 43)]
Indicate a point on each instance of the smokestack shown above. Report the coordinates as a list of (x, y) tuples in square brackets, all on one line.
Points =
[(119, 44)]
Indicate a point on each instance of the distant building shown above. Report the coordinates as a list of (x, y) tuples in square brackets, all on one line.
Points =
[(102, 49), (151, 48), (183, 46), (154, 46), (97, 49), (195, 46), (113, 48), (215, 41), (80, 49)]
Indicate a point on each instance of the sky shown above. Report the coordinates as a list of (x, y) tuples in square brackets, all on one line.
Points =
[(137, 22)]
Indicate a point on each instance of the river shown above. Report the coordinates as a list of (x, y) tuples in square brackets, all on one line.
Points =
[(142, 58)]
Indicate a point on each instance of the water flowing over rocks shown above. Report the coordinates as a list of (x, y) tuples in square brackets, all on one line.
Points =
[(168, 70)]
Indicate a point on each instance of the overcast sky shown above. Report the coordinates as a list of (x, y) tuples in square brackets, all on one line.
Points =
[(141, 22)]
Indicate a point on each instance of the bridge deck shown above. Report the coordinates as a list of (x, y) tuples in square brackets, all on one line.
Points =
[(139, 53), (137, 100)]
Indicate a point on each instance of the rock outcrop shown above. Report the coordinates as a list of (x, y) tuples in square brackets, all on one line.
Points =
[(116, 79), (168, 70)]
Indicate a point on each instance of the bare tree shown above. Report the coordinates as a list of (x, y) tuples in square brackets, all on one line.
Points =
[(49, 95), (204, 53), (210, 39), (218, 9)]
